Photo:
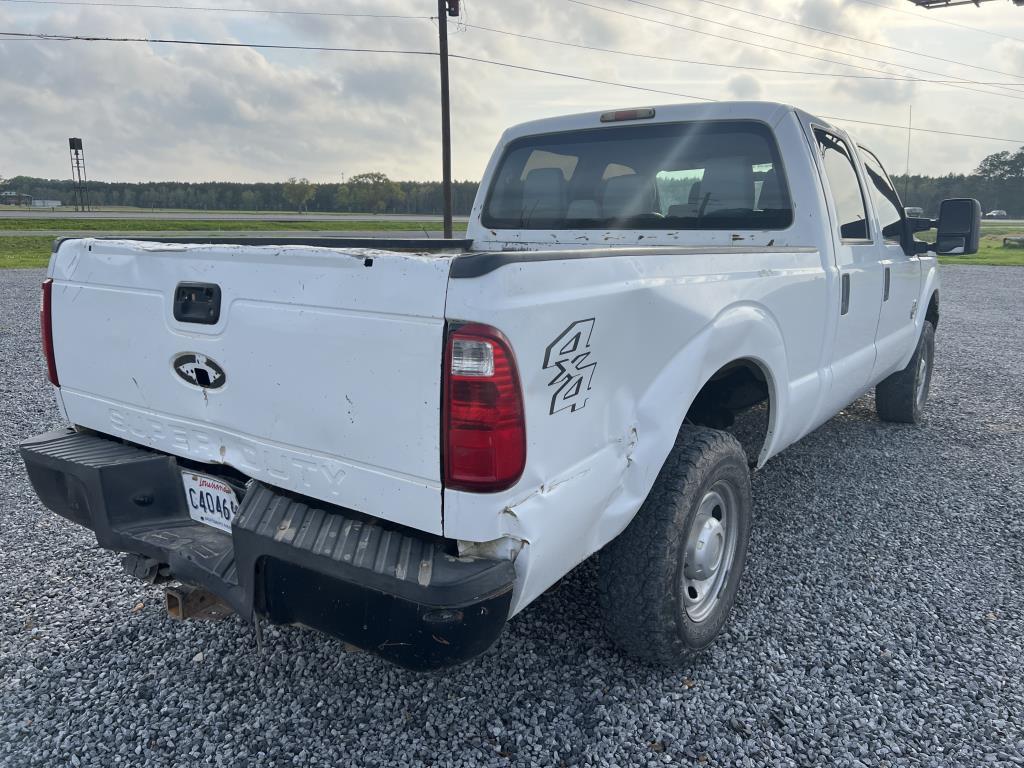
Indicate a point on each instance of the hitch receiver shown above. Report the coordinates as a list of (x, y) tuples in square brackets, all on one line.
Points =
[(186, 602)]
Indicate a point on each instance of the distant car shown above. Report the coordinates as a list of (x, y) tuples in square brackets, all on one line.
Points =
[(913, 212), (998, 213)]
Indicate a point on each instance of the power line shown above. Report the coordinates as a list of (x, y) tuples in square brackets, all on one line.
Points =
[(207, 43), (915, 129), (698, 62), (157, 6), (961, 84), (809, 45), (851, 37), (490, 62), (328, 49), (936, 20)]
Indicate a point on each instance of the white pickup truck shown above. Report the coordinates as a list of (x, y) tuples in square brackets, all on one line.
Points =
[(403, 448)]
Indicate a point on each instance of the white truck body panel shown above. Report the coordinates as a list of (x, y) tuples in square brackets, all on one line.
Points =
[(659, 326), (334, 368)]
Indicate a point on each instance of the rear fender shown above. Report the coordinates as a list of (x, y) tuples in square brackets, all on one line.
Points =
[(563, 521)]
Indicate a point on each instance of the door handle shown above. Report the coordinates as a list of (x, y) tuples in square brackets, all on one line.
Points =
[(888, 282), (845, 305)]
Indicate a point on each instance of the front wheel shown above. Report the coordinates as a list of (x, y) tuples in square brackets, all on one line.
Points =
[(668, 582), (902, 396)]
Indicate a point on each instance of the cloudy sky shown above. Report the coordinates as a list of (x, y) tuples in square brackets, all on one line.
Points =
[(157, 111)]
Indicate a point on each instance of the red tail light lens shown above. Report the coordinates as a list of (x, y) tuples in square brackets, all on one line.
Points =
[(46, 327), (484, 426)]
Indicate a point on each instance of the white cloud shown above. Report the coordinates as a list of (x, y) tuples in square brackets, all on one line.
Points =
[(191, 113), (744, 87)]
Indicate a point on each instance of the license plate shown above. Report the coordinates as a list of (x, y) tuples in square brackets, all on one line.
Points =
[(210, 501)]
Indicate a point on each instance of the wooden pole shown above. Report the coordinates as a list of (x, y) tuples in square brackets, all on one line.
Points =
[(446, 121)]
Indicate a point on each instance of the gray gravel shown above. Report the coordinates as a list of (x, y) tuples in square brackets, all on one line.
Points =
[(880, 622)]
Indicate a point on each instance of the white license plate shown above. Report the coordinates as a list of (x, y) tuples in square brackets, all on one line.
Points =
[(209, 500)]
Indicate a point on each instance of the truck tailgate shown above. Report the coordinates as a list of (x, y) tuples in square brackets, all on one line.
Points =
[(331, 364)]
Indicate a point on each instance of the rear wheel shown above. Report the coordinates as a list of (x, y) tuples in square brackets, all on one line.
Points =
[(902, 396), (668, 583)]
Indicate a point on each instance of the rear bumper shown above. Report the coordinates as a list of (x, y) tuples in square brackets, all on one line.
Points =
[(393, 592)]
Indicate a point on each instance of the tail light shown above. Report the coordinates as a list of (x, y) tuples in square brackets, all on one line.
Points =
[(484, 426), (46, 328)]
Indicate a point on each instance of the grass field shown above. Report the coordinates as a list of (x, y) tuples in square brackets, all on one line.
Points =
[(24, 252), (990, 252), (990, 249), (35, 251), (17, 251)]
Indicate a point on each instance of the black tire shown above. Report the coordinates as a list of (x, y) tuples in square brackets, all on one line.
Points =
[(641, 573), (902, 396)]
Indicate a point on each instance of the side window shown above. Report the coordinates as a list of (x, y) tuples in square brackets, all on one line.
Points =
[(842, 180), (883, 195)]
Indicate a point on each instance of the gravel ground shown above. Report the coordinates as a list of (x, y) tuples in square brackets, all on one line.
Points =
[(880, 621)]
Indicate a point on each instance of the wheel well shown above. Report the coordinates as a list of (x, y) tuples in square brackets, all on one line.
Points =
[(737, 399), (932, 315)]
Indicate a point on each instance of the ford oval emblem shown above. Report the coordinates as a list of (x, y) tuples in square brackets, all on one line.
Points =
[(199, 370)]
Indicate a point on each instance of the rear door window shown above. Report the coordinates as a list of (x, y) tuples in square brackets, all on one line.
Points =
[(844, 184), (701, 175)]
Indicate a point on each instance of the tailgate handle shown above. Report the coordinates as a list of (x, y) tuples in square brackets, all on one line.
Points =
[(197, 303)]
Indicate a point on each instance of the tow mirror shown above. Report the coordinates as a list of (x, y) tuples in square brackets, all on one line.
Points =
[(959, 226)]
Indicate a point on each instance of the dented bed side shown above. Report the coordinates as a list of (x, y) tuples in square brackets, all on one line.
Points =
[(611, 353)]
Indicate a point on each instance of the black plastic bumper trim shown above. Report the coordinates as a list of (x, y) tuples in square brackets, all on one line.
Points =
[(388, 589)]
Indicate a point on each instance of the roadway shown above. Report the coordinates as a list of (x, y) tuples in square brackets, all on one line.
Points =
[(49, 213), (268, 233)]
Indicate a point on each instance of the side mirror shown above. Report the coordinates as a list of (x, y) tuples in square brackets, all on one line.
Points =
[(959, 226)]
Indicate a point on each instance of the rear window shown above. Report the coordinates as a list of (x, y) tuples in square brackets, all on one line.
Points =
[(700, 175)]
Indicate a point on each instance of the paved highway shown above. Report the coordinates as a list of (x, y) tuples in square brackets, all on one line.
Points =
[(269, 233), (47, 213)]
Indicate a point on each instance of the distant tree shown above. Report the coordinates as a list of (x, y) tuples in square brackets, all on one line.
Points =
[(371, 192), (1002, 166), (298, 192)]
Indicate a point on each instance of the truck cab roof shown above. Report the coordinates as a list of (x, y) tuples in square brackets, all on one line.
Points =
[(769, 112)]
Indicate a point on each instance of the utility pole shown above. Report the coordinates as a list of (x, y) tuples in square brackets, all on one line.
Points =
[(910, 127), (446, 8)]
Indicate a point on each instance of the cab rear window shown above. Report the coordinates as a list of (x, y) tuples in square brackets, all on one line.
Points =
[(699, 175)]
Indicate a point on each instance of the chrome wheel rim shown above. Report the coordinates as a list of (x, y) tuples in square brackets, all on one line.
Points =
[(922, 378), (710, 552)]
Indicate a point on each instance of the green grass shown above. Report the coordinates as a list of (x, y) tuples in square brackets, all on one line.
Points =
[(19, 251), (24, 252), (991, 253), (990, 248), (207, 225)]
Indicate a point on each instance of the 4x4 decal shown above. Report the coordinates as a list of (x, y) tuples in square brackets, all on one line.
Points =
[(570, 355)]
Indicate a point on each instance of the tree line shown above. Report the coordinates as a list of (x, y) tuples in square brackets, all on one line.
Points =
[(365, 193), (998, 182)]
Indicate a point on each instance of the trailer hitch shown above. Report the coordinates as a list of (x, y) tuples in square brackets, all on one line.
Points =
[(186, 602)]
